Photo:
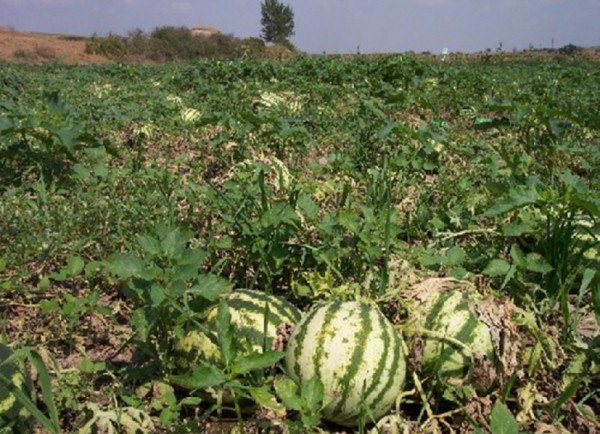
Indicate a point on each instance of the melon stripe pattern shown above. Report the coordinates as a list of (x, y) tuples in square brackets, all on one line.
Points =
[(356, 353), (248, 309), (449, 313), (11, 411)]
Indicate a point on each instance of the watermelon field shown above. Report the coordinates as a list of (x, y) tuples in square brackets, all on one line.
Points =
[(363, 244)]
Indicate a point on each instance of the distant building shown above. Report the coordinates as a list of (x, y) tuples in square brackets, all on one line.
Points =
[(204, 31)]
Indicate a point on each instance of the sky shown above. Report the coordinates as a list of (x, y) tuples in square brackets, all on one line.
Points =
[(335, 26)]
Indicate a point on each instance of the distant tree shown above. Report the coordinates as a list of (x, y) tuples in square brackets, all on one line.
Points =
[(277, 21), (569, 50)]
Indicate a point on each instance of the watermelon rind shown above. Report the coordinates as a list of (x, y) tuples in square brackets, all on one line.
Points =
[(247, 308), (12, 413), (451, 342), (450, 314), (356, 353)]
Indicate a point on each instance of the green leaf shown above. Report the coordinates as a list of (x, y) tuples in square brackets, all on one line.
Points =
[(386, 130), (256, 361), (502, 421), (518, 256), (225, 332), (288, 392), (89, 366), (44, 283), (157, 294), (596, 298), (517, 198), (307, 206), (74, 266), (201, 377), (190, 400), (538, 264), (210, 287), (455, 256), (93, 268), (125, 265), (140, 323), (149, 244), (516, 229), (496, 267), (173, 241), (567, 394), (312, 393), (265, 398), (189, 264), (48, 306), (511, 272)]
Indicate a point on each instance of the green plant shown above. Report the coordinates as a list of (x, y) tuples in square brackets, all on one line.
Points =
[(554, 233), (46, 145), (307, 400), (111, 46), (73, 308), (167, 289), (502, 421), (239, 376)]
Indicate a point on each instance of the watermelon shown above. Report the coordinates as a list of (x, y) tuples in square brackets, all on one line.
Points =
[(454, 336), (190, 115), (12, 412), (355, 352), (247, 308)]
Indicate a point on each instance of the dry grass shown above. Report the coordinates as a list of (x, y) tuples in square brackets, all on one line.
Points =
[(40, 48)]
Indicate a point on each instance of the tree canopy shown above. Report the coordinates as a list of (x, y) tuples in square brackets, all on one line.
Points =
[(277, 21)]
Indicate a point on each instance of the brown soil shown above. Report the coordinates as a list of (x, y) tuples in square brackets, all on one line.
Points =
[(24, 47)]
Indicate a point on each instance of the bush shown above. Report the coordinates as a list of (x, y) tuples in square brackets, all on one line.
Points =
[(137, 43), (171, 43), (178, 44), (570, 50), (111, 46)]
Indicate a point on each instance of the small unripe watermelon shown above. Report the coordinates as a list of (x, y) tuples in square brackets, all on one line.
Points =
[(12, 412), (355, 352), (248, 309)]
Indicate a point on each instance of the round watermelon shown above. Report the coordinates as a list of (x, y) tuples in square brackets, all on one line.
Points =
[(455, 343), (356, 353), (247, 309), (12, 412)]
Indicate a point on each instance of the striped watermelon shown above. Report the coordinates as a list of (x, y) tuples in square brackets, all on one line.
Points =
[(189, 115), (247, 308), (12, 413), (451, 313), (356, 353)]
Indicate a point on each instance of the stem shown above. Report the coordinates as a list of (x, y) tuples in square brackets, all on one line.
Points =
[(441, 336)]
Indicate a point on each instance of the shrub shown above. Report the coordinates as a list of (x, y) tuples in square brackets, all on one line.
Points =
[(111, 46)]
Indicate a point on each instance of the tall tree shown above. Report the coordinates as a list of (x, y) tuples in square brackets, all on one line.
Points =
[(277, 21)]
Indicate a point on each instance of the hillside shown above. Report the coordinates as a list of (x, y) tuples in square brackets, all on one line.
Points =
[(16, 46)]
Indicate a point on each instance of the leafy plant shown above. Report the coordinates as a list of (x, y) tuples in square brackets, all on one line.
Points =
[(43, 144), (241, 374), (555, 231), (166, 286), (307, 401)]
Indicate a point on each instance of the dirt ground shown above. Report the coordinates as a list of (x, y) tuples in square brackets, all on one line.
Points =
[(16, 46)]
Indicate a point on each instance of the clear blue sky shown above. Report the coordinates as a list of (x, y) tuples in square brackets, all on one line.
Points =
[(335, 26)]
